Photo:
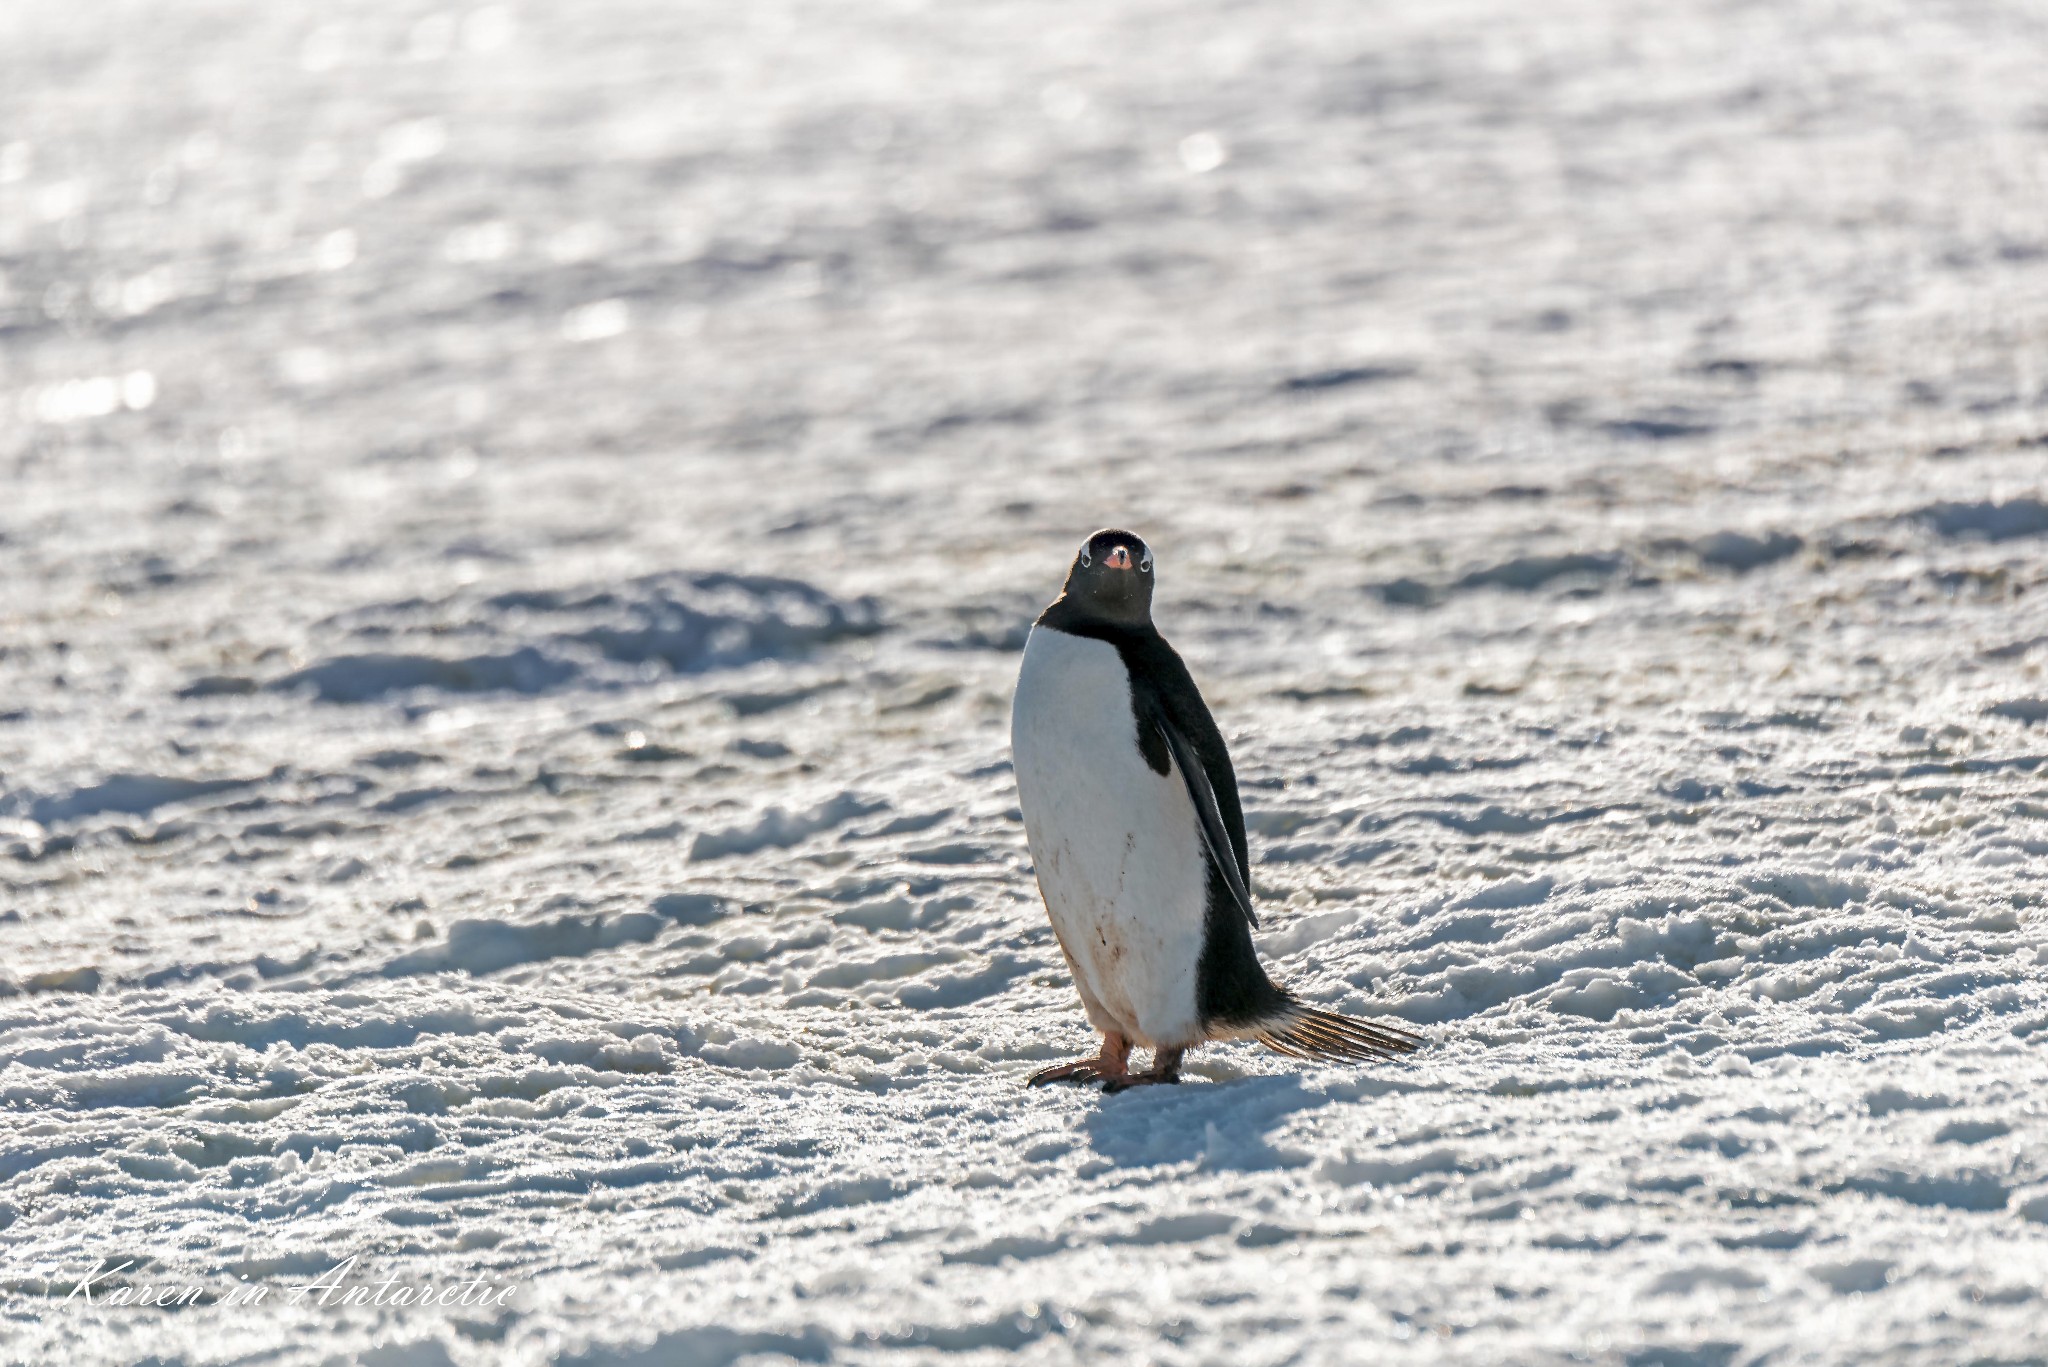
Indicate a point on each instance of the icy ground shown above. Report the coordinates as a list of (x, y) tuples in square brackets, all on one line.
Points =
[(515, 529)]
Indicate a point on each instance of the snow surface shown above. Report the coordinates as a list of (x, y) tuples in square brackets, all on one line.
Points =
[(515, 531)]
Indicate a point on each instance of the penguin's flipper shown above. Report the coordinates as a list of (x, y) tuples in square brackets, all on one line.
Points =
[(1215, 837)]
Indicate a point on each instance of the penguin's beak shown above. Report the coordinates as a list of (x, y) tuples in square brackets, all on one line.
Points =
[(1118, 559)]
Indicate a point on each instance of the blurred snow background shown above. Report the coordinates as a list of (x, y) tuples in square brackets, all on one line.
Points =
[(515, 526)]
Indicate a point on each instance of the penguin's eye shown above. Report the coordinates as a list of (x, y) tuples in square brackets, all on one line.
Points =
[(1086, 558), (1145, 563)]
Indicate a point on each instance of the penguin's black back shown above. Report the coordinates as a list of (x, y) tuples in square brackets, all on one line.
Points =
[(1231, 986)]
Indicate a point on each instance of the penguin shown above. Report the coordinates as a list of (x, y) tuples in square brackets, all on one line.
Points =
[(1137, 836)]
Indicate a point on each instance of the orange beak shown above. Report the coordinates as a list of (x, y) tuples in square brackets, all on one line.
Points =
[(1118, 559)]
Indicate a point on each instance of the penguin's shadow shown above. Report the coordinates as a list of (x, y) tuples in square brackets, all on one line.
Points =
[(1225, 1124)]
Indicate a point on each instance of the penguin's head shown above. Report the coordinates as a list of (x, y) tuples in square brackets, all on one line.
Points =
[(1111, 578)]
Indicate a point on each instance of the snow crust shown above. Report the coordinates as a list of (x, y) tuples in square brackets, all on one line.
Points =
[(518, 526)]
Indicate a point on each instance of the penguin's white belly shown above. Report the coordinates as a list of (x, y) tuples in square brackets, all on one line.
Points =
[(1119, 855)]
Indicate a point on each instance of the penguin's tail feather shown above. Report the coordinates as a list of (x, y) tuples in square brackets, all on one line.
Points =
[(1303, 1031)]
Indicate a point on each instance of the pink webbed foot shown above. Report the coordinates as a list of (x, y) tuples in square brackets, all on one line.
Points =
[(1080, 1070), (1111, 1067), (1165, 1069)]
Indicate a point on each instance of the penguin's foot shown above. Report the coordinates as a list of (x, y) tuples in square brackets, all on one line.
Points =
[(1111, 1067), (1080, 1070), (1165, 1068)]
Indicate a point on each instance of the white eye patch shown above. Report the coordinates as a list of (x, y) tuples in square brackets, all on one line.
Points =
[(1086, 558), (1145, 562)]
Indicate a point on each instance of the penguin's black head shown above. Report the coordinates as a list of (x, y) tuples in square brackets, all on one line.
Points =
[(1111, 578)]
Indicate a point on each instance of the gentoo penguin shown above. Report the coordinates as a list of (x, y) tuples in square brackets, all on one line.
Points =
[(1132, 816)]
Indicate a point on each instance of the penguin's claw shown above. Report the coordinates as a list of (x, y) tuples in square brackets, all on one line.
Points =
[(1085, 1070), (1110, 1066), (1080, 1070), (1130, 1080)]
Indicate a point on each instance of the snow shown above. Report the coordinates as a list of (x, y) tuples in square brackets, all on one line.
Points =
[(518, 525)]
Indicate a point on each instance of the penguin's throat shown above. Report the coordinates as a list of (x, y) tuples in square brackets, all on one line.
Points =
[(1128, 610)]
